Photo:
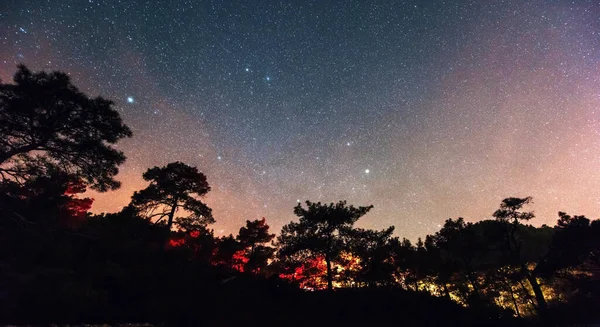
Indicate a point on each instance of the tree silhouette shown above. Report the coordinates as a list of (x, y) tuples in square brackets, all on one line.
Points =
[(406, 262), (319, 231), (372, 248), (467, 259), (253, 237), (511, 216), (47, 123), (173, 187), (437, 265), (462, 249), (576, 243), (70, 266)]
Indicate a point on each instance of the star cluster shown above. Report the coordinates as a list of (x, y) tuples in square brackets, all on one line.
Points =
[(425, 109)]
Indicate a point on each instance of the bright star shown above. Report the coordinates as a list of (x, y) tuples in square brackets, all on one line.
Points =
[(268, 78), (367, 171), (247, 69), (130, 100)]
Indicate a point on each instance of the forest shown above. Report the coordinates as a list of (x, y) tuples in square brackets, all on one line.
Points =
[(158, 261)]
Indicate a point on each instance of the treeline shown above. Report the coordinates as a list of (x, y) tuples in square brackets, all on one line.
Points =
[(158, 260)]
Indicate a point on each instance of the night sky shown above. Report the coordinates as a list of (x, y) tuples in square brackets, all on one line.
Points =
[(425, 109)]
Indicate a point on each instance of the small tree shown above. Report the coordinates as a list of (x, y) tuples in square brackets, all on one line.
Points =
[(173, 187), (46, 123), (319, 231), (253, 238)]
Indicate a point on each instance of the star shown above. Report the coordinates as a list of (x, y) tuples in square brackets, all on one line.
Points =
[(300, 120)]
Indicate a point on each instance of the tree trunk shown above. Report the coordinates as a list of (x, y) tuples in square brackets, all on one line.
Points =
[(513, 298), (329, 273), (528, 297), (170, 224), (475, 296), (172, 215), (542, 306)]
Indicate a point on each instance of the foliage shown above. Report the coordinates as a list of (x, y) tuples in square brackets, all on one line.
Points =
[(253, 238), (46, 123), (371, 250), (54, 195), (511, 216), (69, 266), (173, 187), (319, 231)]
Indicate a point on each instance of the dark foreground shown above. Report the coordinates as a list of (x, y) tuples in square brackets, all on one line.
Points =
[(275, 305)]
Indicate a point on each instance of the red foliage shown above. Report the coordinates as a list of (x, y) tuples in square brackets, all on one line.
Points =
[(177, 242), (75, 188), (239, 260), (309, 274), (182, 238), (76, 209)]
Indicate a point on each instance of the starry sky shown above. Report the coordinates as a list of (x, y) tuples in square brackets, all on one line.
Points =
[(425, 109)]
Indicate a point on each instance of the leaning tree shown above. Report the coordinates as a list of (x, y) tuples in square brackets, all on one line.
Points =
[(46, 124)]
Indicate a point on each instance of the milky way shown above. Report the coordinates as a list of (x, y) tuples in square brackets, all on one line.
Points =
[(425, 109)]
